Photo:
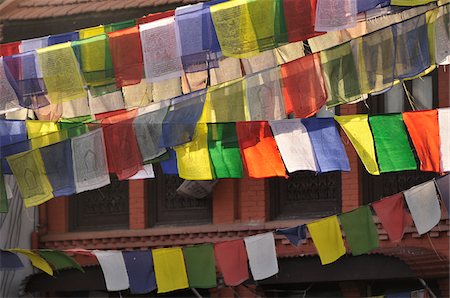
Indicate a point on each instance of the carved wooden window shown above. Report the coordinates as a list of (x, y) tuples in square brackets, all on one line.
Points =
[(105, 208), (166, 207), (424, 93)]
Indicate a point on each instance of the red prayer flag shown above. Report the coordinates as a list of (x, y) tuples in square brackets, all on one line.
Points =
[(105, 115), (126, 53), (423, 128), (9, 49), (393, 216), (155, 16), (300, 17), (303, 86), (231, 259), (259, 150)]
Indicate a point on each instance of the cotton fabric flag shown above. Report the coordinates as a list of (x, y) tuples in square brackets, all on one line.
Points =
[(200, 265), (295, 234), (43, 133), (442, 36), (62, 38), (113, 268), (289, 52), (262, 255), (75, 108), (365, 5), (170, 269), (162, 57), (59, 260), (300, 19), (61, 73), (139, 266), (393, 216), (193, 158), (29, 170), (9, 261), (126, 53), (303, 86), (146, 173), (4, 206), (11, 132), (263, 61), (410, 2), (227, 69), (444, 134), (391, 143), (8, 98), (360, 230), (423, 128), (424, 206), (10, 48), (58, 164), (89, 160), (232, 261), (224, 151), (333, 15), (106, 103), (36, 260), (327, 144), (443, 186), (259, 150), (151, 17), (179, 124), (358, 131), (295, 145), (263, 95), (411, 51), (120, 25), (340, 74), (169, 166), (148, 130), (33, 44), (194, 81), (327, 237)]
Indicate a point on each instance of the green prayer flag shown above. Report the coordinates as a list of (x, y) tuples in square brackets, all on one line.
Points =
[(224, 150), (74, 129), (391, 143), (360, 230), (281, 36), (59, 260), (3, 196), (200, 266), (120, 25)]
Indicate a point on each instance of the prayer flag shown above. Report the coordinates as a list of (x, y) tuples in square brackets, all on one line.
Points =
[(231, 260), (106, 103), (410, 2), (335, 15), (227, 69), (360, 230), (43, 133), (8, 97), (139, 266), (300, 19), (9, 261), (170, 269), (327, 144), (327, 237), (365, 5), (262, 255), (59, 260), (443, 186), (444, 134), (155, 16), (113, 268), (119, 25), (264, 61), (295, 235), (442, 36), (200, 265), (13, 133), (4, 206), (62, 38), (36, 260), (424, 206), (169, 166), (391, 143), (33, 44), (10, 48), (209, 38)]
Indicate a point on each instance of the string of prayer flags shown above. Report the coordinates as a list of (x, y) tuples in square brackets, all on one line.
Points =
[(162, 57), (423, 128), (340, 74), (193, 158), (10, 48), (139, 266), (59, 260), (169, 166), (263, 95), (303, 86), (262, 255), (259, 150), (300, 18), (327, 143), (61, 73), (358, 131), (35, 259), (29, 171), (148, 130), (89, 159), (443, 186), (411, 50), (442, 36), (293, 142), (332, 15), (58, 165), (126, 54), (113, 268), (327, 237), (180, 122), (9, 261), (232, 261), (295, 234), (444, 134), (8, 97), (224, 150), (424, 206), (360, 230), (391, 143), (200, 266), (170, 269), (63, 37), (393, 216)]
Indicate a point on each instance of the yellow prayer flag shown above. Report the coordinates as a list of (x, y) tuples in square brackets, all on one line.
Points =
[(193, 157), (28, 168), (327, 238), (410, 2), (170, 270), (358, 131), (44, 133), (92, 31), (35, 259)]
